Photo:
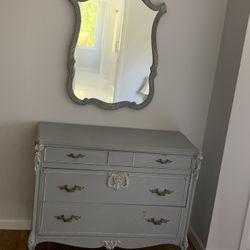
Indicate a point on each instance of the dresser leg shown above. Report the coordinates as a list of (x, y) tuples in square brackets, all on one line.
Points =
[(184, 244), (31, 242)]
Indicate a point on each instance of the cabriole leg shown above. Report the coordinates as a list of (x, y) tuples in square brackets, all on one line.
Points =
[(31, 242), (184, 244)]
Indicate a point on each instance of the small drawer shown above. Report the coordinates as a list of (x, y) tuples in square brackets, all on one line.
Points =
[(68, 155), (121, 158), (162, 161), (115, 187), (92, 219)]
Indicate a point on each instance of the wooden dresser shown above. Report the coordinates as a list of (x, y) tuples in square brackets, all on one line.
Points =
[(112, 187)]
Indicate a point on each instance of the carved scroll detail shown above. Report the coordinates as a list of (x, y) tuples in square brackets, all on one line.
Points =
[(196, 165), (111, 244), (117, 181), (38, 150)]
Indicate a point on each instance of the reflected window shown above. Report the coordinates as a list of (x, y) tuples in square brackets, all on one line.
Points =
[(88, 29)]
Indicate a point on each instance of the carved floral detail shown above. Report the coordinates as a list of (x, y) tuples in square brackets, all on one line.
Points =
[(111, 244), (117, 181)]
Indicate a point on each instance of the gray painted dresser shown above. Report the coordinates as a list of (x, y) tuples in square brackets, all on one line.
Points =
[(112, 187)]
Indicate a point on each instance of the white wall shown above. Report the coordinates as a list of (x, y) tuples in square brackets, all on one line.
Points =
[(234, 182), (219, 115), (33, 73)]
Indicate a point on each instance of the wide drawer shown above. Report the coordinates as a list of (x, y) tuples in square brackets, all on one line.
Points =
[(68, 155), (162, 161), (115, 187), (93, 219)]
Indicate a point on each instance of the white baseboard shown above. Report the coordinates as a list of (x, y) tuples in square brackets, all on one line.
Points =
[(198, 244), (15, 224)]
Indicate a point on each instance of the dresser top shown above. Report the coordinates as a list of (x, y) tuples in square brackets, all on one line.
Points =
[(113, 138)]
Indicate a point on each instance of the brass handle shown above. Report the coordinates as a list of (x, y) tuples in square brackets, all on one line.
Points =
[(72, 189), (76, 156), (161, 193), (164, 161), (69, 219), (157, 222)]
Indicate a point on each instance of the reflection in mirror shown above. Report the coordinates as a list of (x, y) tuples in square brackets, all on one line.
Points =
[(113, 52)]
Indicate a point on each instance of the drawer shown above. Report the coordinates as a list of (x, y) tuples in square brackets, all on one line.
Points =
[(68, 155), (92, 219), (121, 158), (102, 187), (162, 161)]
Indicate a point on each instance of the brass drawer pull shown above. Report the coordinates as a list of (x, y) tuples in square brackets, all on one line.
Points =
[(164, 161), (76, 156), (72, 189), (69, 219), (161, 193), (157, 222)]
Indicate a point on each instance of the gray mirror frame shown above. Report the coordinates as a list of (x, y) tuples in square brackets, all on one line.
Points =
[(162, 9)]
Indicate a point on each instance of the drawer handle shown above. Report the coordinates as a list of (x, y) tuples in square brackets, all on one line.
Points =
[(69, 219), (164, 161), (72, 189), (157, 222), (161, 193), (76, 156)]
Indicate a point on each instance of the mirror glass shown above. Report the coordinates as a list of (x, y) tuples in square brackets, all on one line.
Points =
[(113, 52)]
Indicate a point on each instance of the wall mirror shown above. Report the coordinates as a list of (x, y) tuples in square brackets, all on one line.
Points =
[(113, 55)]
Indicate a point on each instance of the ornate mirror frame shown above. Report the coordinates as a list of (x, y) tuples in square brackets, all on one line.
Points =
[(161, 9)]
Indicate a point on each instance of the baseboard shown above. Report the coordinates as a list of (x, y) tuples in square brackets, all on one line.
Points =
[(15, 224), (198, 244)]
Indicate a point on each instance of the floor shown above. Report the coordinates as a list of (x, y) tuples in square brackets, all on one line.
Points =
[(17, 240)]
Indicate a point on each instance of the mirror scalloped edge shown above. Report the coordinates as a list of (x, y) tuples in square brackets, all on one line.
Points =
[(161, 9)]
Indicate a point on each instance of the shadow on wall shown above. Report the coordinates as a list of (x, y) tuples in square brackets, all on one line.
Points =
[(16, 170)]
